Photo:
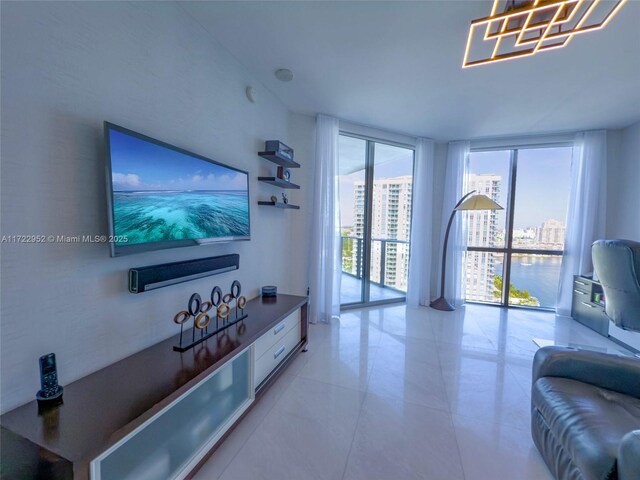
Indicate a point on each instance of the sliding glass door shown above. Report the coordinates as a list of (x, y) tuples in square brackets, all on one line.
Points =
[(352, 170), (514, 255), (375, 209)]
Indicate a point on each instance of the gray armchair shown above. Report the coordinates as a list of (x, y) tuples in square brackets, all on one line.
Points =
[(617, 264)]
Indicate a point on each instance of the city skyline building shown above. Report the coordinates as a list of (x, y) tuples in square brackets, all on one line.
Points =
[(551, 234), (482, 230), (391, 220)]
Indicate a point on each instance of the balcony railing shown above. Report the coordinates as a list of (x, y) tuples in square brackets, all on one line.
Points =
[(352, 255)]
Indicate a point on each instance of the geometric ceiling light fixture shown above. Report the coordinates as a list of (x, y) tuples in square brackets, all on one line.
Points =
[(521, 28)]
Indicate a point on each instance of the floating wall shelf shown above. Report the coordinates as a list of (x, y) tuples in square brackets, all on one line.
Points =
[(279, 182), (279, 205), (276, 158)]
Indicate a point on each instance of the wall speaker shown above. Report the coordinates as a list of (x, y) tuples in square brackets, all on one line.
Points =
[(143, 279)]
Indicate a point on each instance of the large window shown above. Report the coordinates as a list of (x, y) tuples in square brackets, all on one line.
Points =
[(375, 182), (514, 255)]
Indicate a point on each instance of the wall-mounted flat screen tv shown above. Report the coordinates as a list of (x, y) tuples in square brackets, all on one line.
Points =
[(161, 196)]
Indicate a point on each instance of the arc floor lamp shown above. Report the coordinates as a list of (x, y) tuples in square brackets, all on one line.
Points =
[(468, 202)]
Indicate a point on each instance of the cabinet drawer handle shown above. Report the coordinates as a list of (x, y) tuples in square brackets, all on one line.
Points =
[(582, 283), (279, 328), (279, 352), (579, 292), (588, 305)]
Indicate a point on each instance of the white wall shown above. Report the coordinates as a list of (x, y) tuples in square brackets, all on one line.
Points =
[(623, 203), (623, 184), (150, 67), (302, 130)]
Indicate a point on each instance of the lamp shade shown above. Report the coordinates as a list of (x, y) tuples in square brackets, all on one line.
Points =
[(478, 202)]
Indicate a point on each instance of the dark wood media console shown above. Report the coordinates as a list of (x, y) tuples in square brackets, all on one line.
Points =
[(107, 413)]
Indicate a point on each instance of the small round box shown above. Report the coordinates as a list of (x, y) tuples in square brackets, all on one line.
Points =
[(269, 291)]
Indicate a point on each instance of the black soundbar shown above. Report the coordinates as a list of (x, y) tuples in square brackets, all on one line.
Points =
[(143, 279)]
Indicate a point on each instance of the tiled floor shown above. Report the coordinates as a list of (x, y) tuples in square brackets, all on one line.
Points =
[(399, 393)]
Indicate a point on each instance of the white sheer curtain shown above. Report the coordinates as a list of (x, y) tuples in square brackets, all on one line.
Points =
[(586, 213), (419, 285), (325, 254), (454, 187)]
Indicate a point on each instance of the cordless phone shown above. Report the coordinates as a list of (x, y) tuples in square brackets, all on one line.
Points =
[(49, 388), (48, 375)]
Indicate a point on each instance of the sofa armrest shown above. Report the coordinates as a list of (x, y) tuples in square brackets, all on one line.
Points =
[(629, 456), (617, 373)]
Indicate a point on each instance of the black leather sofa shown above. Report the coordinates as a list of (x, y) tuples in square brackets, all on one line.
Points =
[(585, 414)]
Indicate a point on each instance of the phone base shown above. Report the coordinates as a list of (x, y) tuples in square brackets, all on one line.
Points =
[(51, 400)]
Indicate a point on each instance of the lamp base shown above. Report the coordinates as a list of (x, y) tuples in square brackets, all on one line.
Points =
[(442, 304)]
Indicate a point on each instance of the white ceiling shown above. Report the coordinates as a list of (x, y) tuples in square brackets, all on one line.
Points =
[(396, 66)]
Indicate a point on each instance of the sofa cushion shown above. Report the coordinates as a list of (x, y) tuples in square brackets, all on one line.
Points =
[(587, 421)]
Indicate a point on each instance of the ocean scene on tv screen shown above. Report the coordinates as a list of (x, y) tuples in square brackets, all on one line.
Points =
[(160, 194)]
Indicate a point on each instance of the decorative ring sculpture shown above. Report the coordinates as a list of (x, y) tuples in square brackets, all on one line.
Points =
[(202, 320), (216, 296), (223, 310), (236, 289), (181, 317), (242, 301), (195, 299)]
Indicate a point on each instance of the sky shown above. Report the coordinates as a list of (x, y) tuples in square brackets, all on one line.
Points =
[(138, 165), (542, 188)]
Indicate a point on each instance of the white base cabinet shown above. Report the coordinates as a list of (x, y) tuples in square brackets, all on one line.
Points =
[(170, 444)]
